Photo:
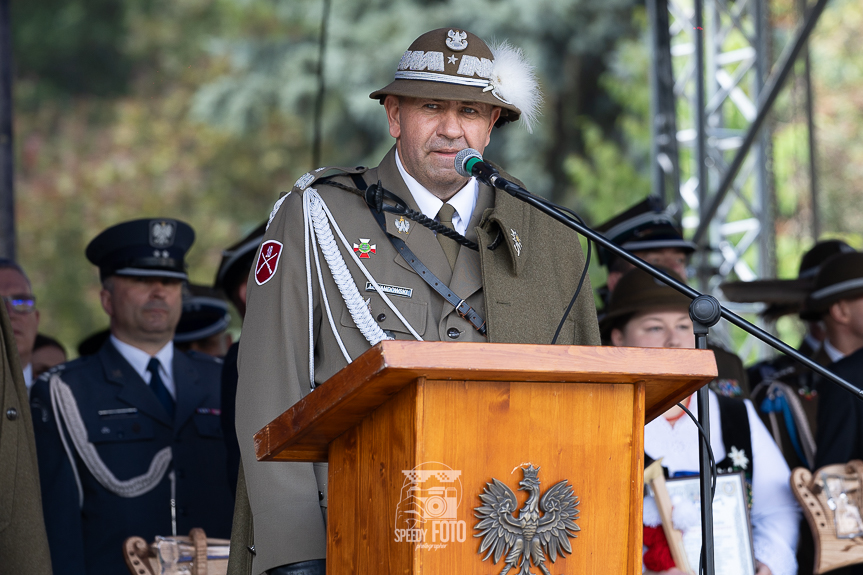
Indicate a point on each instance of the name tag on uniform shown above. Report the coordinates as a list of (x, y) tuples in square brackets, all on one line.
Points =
[(391, 290), (122, 411)]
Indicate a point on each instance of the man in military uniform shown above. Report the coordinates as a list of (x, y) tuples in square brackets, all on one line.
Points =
[(650, 233), (129, 439), (513, 273), (23, 543)]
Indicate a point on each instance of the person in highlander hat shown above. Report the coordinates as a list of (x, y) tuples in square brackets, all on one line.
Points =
[(510, 270), (128, 439)]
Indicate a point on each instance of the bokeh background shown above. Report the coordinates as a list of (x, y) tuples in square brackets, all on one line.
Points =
[(204, 110)]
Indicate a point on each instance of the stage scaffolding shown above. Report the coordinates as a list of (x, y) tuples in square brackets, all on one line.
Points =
[(719, 115)]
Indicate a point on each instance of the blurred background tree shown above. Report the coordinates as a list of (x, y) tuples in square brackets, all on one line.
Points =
[(204, 110)]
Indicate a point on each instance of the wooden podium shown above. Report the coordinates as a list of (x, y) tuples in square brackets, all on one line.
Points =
[(413, 432)]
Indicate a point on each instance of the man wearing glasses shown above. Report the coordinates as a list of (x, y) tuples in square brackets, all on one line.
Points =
[(20, 303)]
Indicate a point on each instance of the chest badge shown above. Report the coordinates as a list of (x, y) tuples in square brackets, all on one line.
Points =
[(365, 249), (402, 225), (516, 241)]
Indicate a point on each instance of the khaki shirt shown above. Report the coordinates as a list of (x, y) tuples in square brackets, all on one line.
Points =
[(521, 287)]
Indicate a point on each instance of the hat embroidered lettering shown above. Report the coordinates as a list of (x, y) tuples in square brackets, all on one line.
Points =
[(419, 60), (268, 261), (473, 66)]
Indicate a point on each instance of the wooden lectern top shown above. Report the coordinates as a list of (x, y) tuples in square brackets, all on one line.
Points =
[(303, 432)]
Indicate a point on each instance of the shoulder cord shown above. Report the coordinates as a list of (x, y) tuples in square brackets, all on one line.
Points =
[(374, 196), (319, 219), (64, 404)]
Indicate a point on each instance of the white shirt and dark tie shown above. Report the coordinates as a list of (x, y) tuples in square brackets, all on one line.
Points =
[(146, 366)]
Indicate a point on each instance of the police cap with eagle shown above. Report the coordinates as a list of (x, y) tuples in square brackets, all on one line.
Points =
[(145, 248), (453, 64)]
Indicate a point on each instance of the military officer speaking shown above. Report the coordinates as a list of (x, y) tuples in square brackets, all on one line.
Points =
[(329, 282), (129, 440)]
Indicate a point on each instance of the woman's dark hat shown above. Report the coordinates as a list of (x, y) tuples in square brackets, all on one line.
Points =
[(637, 292)]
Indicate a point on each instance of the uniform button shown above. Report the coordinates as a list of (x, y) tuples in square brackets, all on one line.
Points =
[(320, 496), (11, 414), (453, 333), (382, 316)]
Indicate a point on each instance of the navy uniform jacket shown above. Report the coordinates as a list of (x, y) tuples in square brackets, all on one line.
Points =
[(89, 539), (840, 415)]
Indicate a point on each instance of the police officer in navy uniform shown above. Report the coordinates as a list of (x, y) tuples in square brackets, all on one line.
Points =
[(129, 439)]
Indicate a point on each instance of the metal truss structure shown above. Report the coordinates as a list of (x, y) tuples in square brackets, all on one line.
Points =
[(712, 90)]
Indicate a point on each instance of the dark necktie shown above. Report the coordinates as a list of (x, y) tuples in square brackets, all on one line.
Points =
[(450, 247), (158, 387)]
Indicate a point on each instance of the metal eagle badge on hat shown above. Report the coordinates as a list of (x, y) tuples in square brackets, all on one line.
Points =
[(162, 233), (268, 261), (364, 248)]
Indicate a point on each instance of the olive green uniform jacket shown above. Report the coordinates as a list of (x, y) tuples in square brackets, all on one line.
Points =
[(23, 542), (521, 287)]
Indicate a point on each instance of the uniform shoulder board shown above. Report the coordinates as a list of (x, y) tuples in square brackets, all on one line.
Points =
[(309, 178), (326, 171)]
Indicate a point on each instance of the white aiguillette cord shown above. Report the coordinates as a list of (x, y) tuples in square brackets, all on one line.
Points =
[(64, 405), (318, 221)]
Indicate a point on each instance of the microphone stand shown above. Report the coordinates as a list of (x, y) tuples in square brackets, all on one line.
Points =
[(705, 311)]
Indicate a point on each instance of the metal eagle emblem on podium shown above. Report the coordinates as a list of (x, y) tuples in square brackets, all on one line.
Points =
[(528, 537)]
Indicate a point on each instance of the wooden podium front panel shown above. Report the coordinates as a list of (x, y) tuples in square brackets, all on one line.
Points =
[(588, 434)]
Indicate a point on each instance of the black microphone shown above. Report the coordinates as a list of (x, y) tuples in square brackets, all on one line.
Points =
[(469, 162)]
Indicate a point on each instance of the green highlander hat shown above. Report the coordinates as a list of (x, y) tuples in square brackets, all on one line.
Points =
[(841, 277), (453, 64)]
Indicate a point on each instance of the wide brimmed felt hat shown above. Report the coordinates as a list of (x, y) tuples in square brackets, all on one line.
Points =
[(840, 277), (205, 313), (238, 259), (152, 247), (455, 65), (644, 226), (638, 292), (786, 296)]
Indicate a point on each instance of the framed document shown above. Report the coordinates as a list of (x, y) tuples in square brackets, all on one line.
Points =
[(732, 531)]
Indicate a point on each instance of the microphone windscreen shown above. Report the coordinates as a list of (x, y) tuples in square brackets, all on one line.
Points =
[(461, 159)]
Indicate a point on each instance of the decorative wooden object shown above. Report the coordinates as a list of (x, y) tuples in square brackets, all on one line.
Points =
[(830, 551), (482, 411), (143, 558), (654, 477)]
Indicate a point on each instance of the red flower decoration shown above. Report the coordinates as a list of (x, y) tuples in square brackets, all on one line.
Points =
[(658, 554)]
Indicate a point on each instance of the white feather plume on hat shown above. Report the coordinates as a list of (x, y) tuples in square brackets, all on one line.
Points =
[(513, 80)]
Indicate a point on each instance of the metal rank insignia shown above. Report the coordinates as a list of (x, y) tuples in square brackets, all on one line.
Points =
[(365, 249), (528, 537)]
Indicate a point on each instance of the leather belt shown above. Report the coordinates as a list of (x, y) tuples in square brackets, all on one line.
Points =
[(312, 567), (461, 307)]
